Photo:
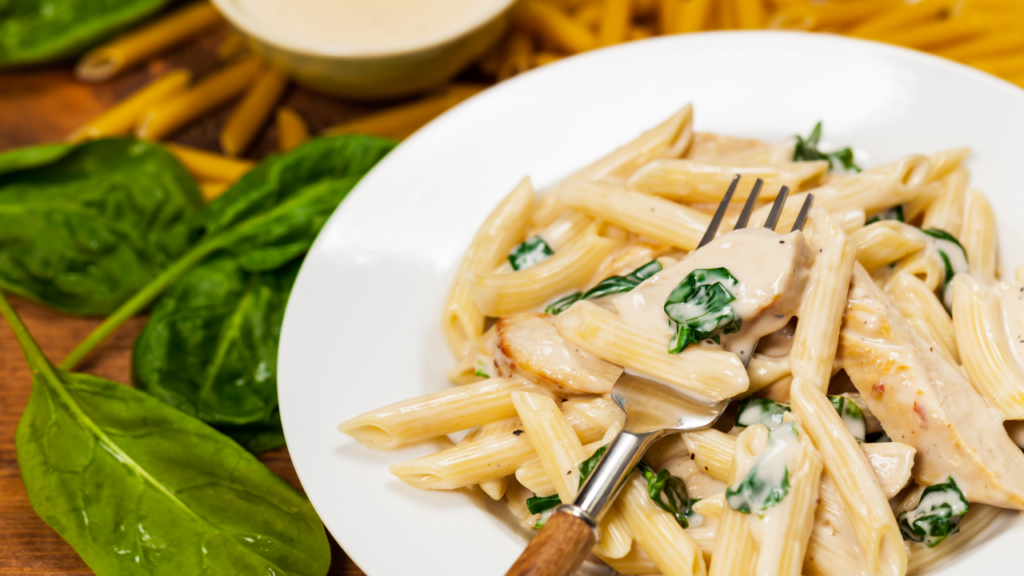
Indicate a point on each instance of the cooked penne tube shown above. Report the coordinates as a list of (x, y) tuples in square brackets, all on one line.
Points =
[(401, 121), (558, 448), (978, 236), (252, 112), (942, 163), (291, 129), (917, 206), (107, 60), (919, 305), (946, 212), (771, 538), (928, 269), (462, 321), (592, 418), (765, 370), (670, 139), (871, 191), (657, 533), (868, 508), (495, 488), (120, 119), (571, 269), (634, 563), (480, 460), (985, 349), (707, 181), (437, 414), (649, 216), (712, 375), (206, 165), (533, 476), (616, 538), (712, 451), (212, 92), (821, 310), (833, 549), (710, 507), (554, 26), (885, 242)]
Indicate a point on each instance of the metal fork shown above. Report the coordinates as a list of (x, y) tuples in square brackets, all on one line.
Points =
[(653, 410)]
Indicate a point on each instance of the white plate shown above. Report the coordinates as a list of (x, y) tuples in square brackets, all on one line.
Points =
[(362, 327)]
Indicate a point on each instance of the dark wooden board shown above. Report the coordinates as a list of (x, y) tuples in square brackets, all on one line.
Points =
[(44, 105)]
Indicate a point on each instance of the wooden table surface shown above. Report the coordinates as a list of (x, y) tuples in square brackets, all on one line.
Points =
[(44, 105)]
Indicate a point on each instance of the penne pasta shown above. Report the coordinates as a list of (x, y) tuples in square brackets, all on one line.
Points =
[(400, 122), (212, 92), (711, 375), (707, 181), (868, 508), (252, 112), (713, 452), (885, 242), (210, 166), (121, 118), (657, 533), (557, 446), (554, 26), (947, 211), (107, 60), (978, 236), (919, 305), (571, 269), (291, 129), (463, 322), (213, 189), (615, 22), (437, 414), (821, 310)]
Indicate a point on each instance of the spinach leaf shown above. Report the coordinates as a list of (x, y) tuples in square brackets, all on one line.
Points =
[(210, 346), (754, 410), (763, 486), (699, 307), (807, 150), (954, 260), (541, 504), (588, 465), (34, 31), (267, 219), (529, 253), (83, 227), (137, 487), (668, 492), (937, 515), (608, 286), (852, 416)]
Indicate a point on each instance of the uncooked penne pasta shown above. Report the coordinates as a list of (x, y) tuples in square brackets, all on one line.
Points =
[(437, 414), (291, 129), (400, 122), (252, 111), (212, 92), (706, 181), (463, 322), (615, 22), (107, 60), (554, 26), (206, 165), (121, 118), (213, 189)]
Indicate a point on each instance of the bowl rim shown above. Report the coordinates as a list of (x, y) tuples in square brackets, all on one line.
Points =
[(251, 26)]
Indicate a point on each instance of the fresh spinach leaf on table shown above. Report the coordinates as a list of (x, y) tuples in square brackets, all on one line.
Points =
[(268, 218), (83, 227), (210, 348), (139, 488), (37, 31)]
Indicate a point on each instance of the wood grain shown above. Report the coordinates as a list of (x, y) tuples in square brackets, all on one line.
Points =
[(557, 550), (44, 106)]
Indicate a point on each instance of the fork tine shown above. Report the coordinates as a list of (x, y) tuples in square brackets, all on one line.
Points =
[(802, 216), (748, 208), (773, 216), (716, 220)]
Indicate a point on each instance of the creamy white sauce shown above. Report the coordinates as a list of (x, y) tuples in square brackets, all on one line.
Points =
[(771, 468), (892, 463), (368, 25), (957, 260), (771, 270)]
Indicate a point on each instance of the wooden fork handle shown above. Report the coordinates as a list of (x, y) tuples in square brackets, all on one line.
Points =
[(557, 550)]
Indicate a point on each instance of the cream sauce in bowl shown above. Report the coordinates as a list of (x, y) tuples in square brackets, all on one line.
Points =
[(370, 26)]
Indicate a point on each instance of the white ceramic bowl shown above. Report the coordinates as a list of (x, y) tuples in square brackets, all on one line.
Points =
[(362, 326), (372, 74)]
